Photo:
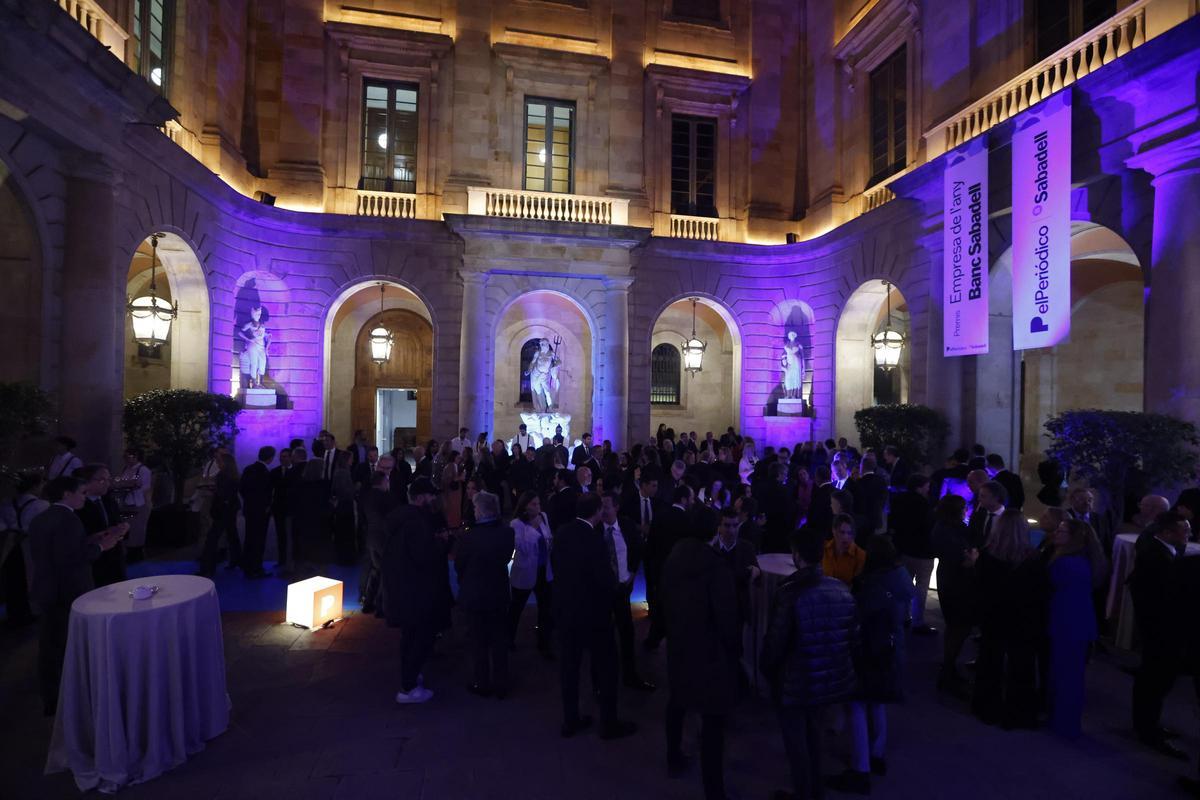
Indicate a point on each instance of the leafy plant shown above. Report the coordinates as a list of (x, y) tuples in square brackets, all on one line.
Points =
[(917, 431), (24, 411), (1118, 452), (180, 426)]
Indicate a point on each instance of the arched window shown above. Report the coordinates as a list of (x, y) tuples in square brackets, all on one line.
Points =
[(664, 375), (528, 351)]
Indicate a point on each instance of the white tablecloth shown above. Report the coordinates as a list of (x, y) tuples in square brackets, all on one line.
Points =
[(143, 683), (1119, 608), (775, 567)]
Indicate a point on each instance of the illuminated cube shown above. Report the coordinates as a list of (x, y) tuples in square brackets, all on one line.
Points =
[(314, 602)]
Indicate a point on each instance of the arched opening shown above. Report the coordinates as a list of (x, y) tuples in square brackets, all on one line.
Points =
[(861, 382), (182, 362), (709, 400), (1101, 364), (20, 284), (530, 318), (391, 403)]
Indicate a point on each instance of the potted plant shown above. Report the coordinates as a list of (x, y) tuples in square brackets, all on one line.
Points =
[(918, 431)]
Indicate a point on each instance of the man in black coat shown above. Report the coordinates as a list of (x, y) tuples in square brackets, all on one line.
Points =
[(481, 562), (560, 505), (414, 599), (377, 504), (992, 498), (673, 524), (911, 523), (1152, 586), (584, 455), (870, 491), (63, 554), (777, 499), (740, 556), (820, 507), (749, 528), (282, 478), (700, 610), (897, 469), (584, 585), (625, 544), (1009, 480), (255, 489), (99, 513)]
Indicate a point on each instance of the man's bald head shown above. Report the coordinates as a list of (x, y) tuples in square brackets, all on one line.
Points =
[(1152, 505)]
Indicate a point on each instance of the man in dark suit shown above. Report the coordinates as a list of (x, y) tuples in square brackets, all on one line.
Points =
[(360, 471), (778, 504), (897, 469), (560, 506), (1081, 505), (414, 597), (255, 489), (673, 524), (559, 454), (991, 502), (749, 529), (910, 521), (584, 455), (584, 585), (1009, 480), (740, 556), (282, 478), (668, 483), (545, 455), (358, 449), (329, 459), (625, 545), (98, 514), (481, 562), (1152, 586), (870, 491), (63, 554), (820, 507)]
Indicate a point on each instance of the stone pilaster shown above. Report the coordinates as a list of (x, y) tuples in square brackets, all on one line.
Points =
[(616, 362), (475, 353)]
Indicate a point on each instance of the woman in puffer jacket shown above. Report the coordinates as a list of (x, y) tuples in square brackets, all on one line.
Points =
[(807, 656)]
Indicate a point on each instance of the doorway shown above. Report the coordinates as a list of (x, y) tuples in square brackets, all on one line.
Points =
[(395, 418)]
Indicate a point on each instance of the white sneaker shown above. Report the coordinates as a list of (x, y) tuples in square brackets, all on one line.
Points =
[(419, 694)]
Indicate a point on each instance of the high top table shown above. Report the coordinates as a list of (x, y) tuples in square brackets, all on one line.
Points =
[(143, 683)]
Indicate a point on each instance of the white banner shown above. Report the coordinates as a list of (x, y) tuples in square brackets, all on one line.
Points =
[(1041, 224), (965, 253)]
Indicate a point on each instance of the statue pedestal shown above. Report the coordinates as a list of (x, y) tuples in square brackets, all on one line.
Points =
[(259, 398), (543, 425), (791, 407)]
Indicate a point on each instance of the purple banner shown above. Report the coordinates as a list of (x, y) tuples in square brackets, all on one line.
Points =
[(965, 251), (1041, 221)]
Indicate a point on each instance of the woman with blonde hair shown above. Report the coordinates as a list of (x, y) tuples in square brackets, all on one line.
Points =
[(1012, 591), (1076, 559)]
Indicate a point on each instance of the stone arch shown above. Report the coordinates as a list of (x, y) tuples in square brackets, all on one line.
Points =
[(855, 371)]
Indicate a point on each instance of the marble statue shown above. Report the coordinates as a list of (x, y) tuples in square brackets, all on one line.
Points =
[(543, 378), (256, 339), (792, 364)]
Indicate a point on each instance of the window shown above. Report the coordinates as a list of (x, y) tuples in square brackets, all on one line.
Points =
[(528, 351), (664, 375), (389, 148), (549, 145), (889, 132), (1060, 22), (693, 149), (707, 10), (152, 26)]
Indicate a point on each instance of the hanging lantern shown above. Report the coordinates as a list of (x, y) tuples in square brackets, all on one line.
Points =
[(381, 338), (150, 314), (693, 348), (888, 342)]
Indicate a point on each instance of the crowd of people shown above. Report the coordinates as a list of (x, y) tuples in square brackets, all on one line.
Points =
[(573, 528)]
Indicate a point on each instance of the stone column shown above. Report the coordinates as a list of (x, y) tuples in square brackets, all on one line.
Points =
[(93, 308), (616, 361), (1172, 328), (475, 356)]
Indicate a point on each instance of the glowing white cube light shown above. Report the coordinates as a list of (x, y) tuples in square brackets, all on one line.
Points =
[(314, 602)]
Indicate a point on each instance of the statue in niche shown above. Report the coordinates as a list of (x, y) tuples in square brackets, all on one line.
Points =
[(256, 339), (792, 367), (543, 376)]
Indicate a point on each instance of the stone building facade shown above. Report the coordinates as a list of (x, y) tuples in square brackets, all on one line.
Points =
[(583, 168)]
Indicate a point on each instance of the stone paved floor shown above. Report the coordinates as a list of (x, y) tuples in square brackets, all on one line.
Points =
[(313, 719)]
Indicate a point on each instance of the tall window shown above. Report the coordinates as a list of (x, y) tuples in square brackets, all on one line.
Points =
[(528, 351), (707, 10), (151, 26), (664, 375), (389, 148), (549, 145), (1060, 22), (693, 156), (889, 107)]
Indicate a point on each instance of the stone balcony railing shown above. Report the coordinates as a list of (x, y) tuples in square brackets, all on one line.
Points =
[(96, 21), (392, 205), (547, 206), (703, 228), (874, 196), (1116, 36)]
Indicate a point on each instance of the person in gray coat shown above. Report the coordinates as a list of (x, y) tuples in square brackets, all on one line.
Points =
[(481, 563), (700, 614), (63, 554)]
